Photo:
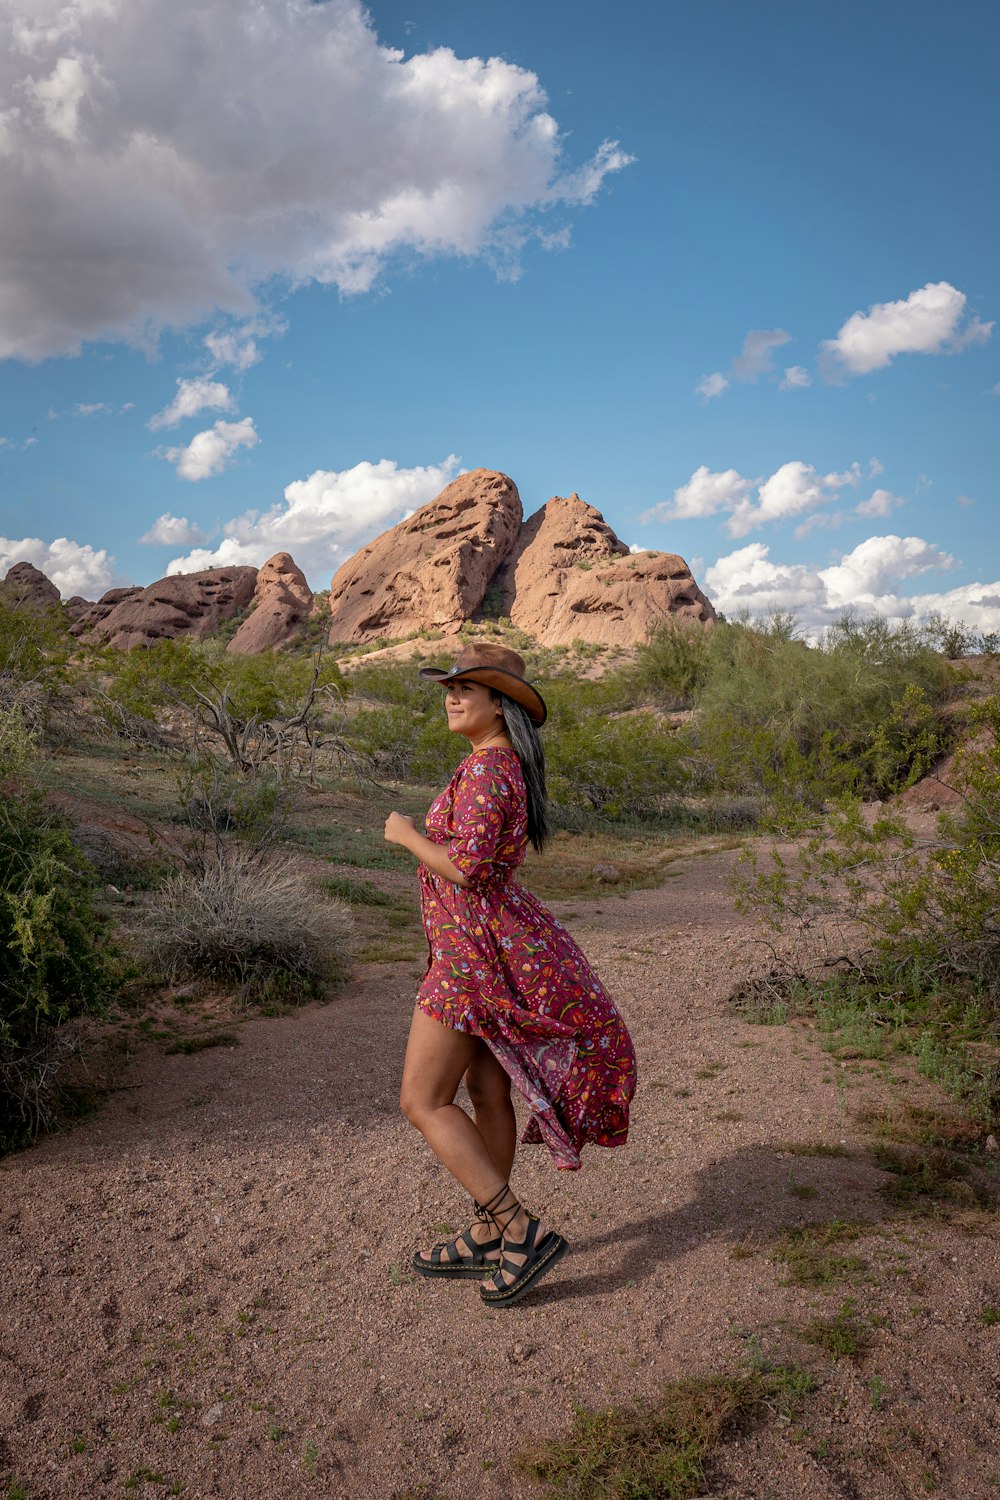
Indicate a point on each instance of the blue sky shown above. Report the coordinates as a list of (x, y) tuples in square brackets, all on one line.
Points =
[(403, 268)]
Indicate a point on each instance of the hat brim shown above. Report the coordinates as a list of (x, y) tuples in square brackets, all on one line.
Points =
[(507, 683)]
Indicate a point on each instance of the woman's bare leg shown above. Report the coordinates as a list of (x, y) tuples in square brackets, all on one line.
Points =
[(436, 1060), (488, 1083)]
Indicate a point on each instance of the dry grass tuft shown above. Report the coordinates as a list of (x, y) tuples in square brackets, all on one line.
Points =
[(259, 926)]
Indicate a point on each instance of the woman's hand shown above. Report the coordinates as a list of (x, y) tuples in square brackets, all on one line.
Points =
[(399, 829)]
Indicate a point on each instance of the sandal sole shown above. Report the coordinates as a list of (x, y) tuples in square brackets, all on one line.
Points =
[(451, 1273), (539, 1268)]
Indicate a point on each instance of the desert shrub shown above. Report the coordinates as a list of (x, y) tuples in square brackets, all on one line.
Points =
[(918, 915), (267, 686), (34, 648), (55, 962), (672, 664), (858, 712), (256, 924), (625, 767)]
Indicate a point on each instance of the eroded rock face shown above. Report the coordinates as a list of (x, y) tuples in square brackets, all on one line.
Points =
[(282, 600), (27, 587), (432, 570), (92, 614), (185, 604), (565, 535), (618, 605), (571, 578)]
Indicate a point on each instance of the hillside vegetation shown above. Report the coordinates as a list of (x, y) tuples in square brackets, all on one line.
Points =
[(243, 773)]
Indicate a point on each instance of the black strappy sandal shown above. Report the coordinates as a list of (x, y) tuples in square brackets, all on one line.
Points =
[(462, 1265), (540, 1256)]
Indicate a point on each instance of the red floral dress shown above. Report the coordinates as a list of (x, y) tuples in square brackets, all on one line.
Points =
[(503, 968)]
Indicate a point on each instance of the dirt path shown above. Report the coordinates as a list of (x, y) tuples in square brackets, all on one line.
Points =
[(205, 1287)]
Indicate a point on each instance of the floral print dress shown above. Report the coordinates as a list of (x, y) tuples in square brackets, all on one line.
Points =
[(503, 968)]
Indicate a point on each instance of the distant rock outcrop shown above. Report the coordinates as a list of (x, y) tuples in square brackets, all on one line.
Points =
[(92, 614), (185, 604), (618, 605), (561, 576), (282, 600), (27, 587), (432, 570), (566, 534)]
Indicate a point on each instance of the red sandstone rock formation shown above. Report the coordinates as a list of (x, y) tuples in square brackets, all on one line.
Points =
[(282, 600), (185, 604), (571, 578), (92, 614), (432, 570), (27, 586)]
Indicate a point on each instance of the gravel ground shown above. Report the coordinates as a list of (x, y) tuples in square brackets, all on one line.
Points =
[(206, 1288)]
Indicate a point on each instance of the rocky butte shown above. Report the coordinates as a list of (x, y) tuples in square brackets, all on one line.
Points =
[(561, 576)]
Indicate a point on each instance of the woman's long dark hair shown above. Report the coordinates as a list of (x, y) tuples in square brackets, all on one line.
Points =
[(530, 752)]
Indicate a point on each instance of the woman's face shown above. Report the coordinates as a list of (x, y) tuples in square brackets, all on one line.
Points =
[(471, 710)]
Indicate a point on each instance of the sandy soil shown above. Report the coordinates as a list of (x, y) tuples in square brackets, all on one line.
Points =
[(206, 1288)]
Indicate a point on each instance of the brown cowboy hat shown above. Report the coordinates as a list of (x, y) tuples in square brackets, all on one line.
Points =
[(496, 667)]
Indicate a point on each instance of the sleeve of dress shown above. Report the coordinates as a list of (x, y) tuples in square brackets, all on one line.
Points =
[(479, 818)]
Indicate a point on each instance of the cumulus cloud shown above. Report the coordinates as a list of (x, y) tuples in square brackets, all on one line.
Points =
[(92, 409), (199, 151), (193, 396), (866, 579), (795, 378), (754, 359), (173, 531), (712, 385), (879, 503), (324, 518), (209, 452), (74, 567), (705, 493), (928, 321), (238, 346), (792, 490)]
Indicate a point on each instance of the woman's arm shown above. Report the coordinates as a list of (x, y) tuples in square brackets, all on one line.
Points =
[(401, 830)]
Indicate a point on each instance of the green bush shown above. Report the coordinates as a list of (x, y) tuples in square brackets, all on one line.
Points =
[(859, 712), (55, 963), (267, 686), (920, 916)]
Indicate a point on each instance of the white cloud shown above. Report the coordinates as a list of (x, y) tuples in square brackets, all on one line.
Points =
[(879, 503), (875, 468), (866, 580), (792, 490), (712, 385), (704, 494), (193, 396), (324, 518), (755, 358), (928, 321), (173, 531), (74, 567), (994, 390), (976, 604), (199, 152), (238, 346), (965, 500), (92, 409), (209, 452), (795, 378)]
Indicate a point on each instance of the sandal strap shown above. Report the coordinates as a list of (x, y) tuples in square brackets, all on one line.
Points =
[(477, 1252), (495, 1206)]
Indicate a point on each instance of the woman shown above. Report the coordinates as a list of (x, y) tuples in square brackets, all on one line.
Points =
[(507, 995)]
